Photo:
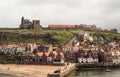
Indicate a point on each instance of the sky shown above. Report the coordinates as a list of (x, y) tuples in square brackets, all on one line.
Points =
[(103, 13)]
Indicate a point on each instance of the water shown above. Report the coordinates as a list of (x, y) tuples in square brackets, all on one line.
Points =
[(95, 73)]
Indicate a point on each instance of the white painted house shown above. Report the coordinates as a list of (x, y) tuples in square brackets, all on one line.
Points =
[(82, 60)]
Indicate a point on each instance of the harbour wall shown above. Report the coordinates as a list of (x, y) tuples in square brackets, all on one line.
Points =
[(64, 71), (96, 66)]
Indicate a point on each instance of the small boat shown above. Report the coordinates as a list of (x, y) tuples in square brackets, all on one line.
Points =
[(107, 70)]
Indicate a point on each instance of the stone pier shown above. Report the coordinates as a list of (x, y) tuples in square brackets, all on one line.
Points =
[(63, 71)]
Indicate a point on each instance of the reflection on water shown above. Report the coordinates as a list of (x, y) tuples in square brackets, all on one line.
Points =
[(95, 73)]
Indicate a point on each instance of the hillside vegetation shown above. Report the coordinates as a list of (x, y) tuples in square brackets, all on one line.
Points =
[(57, 37)]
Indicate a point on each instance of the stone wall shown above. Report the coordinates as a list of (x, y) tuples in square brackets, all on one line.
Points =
[(64, 71)]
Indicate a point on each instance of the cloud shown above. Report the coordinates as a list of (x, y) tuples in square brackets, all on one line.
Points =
[(71, 3), (103, 13), (111, 6)]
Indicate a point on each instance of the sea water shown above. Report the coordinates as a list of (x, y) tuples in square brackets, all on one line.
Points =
[(95, 73)]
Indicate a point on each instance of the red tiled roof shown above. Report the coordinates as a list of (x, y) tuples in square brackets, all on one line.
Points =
[(40, 54), (47, 54)]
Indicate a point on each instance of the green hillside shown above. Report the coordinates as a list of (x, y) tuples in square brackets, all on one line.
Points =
[(57, 37)]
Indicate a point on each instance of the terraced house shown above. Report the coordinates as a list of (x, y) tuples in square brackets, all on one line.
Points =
[(53, 57)]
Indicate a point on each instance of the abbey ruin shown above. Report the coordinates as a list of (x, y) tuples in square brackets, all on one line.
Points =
[(27, 24)]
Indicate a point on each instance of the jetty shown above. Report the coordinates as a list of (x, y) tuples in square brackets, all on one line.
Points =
[(64, 71)]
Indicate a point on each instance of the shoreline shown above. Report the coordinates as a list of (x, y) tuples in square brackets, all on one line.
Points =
[(17, 70), (27, 70)]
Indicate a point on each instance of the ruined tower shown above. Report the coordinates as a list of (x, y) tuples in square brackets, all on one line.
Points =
[(36, 24), (27, 24), (22, 20)]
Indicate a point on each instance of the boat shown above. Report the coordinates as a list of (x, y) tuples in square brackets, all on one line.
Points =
[(107, 70)]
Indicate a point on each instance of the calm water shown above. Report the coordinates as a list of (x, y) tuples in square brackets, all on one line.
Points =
[(96, 73), (93, 73)]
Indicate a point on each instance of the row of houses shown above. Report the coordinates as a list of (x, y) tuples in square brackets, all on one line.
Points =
[(81, 55), (91, 52), (53, 57), (14, 48), (111, 56), (34, 54)]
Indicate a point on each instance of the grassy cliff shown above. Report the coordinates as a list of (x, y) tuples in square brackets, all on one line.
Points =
[(57, 37)]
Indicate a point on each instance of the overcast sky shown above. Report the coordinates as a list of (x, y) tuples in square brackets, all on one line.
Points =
[(103, 13)]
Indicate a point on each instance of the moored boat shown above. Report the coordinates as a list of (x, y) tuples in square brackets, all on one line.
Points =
[(107, 70)]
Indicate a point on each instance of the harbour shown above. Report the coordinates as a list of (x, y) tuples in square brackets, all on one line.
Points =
[(84, 69), (63, 72), (60, 38), (95, 73)]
